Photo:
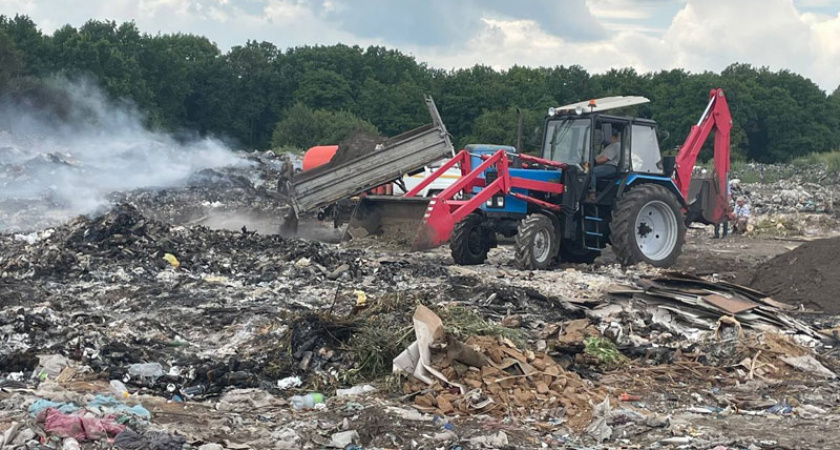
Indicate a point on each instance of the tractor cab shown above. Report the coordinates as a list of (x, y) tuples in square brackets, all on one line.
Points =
[(577, 137)]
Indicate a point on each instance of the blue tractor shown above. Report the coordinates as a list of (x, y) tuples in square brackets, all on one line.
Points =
[(568, 206)]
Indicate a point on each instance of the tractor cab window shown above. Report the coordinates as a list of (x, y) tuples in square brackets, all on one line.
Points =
[(567, 141), (644, 150)]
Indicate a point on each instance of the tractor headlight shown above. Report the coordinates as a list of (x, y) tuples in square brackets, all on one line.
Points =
[(495, 202), (579, 110), (552, 111)]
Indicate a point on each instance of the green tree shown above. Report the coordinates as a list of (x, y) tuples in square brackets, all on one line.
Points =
[(255, 92), (501, 127), (34, 48), (324, 89), (393, 108), (303, 127), (12, 65)]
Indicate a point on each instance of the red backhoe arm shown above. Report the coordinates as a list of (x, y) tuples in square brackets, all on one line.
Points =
[(715, 117)]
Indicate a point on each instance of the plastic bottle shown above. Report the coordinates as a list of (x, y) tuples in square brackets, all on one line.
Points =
[(119, 389), (307, 401)]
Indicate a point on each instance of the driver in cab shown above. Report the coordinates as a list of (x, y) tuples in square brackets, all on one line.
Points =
[(606, 163)]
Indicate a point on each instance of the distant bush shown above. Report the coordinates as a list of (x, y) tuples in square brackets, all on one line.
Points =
[(303, 127), (830, 160)]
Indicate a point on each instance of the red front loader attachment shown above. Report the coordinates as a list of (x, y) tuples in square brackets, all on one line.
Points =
[(444, 211)]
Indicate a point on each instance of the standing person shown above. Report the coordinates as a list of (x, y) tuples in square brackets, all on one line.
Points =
[(742, 216), (287, 173)]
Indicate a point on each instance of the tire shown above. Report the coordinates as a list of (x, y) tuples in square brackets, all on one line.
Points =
[(537, 242), (470, 241), (571, 252), (648, 226)]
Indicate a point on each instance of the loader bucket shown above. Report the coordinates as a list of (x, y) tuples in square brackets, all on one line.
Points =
[(395, 219)]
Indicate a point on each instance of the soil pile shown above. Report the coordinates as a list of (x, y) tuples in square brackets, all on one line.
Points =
[(359, 143), (808, 275)]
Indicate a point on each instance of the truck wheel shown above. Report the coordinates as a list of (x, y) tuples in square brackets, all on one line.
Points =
[(470, 241), (536, 242), (648, 226), (574, 252)]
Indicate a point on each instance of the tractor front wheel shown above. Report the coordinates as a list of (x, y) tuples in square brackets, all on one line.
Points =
[(536, 242), (648, 226), (470, 241)]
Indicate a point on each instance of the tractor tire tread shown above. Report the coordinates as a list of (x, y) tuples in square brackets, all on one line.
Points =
[(459, 242), (524, 238)]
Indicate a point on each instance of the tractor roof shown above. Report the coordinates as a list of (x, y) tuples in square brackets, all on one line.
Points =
[(604, 104)]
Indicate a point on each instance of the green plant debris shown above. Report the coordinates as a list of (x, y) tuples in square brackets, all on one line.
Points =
[(373, 349), (604, 351), (465, 323)]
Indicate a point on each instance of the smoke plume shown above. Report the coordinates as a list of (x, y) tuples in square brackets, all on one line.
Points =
[(64, 148)]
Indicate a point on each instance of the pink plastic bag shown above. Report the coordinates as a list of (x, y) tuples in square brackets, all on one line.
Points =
[(78, 427)]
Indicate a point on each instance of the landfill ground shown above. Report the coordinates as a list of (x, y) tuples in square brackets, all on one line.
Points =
[(212, 331)]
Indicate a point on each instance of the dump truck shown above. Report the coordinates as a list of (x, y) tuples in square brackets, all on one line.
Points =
[(321, 189)]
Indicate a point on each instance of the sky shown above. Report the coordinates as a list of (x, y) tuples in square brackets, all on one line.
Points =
[(648, 35)]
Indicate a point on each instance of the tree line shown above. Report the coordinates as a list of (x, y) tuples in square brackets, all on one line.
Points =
[(262, 96)]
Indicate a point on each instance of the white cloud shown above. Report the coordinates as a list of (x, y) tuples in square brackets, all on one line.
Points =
[(501, 44), (618, 9), (711, 34), (280, 11), (703, 35)]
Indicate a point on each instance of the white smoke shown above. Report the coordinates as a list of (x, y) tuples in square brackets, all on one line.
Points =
[(54, 166)]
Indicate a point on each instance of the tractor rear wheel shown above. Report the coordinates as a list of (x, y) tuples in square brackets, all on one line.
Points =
[(537, 242), (648, 226), (470, 241)]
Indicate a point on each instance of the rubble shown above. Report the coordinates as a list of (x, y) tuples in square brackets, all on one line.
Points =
[(208, 331)]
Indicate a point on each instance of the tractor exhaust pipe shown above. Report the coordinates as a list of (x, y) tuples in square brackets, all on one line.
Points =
[(668, 165)]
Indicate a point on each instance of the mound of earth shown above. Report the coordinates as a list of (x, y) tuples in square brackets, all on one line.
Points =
[(357, 144), (807, 275)]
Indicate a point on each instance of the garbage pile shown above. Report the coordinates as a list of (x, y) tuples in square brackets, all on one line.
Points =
[(67, 419), (486, 375), (205, 307), (144, 333), (221, 198), (787, 196)]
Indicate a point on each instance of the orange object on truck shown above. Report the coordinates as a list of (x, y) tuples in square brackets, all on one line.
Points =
[(318, 156)]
